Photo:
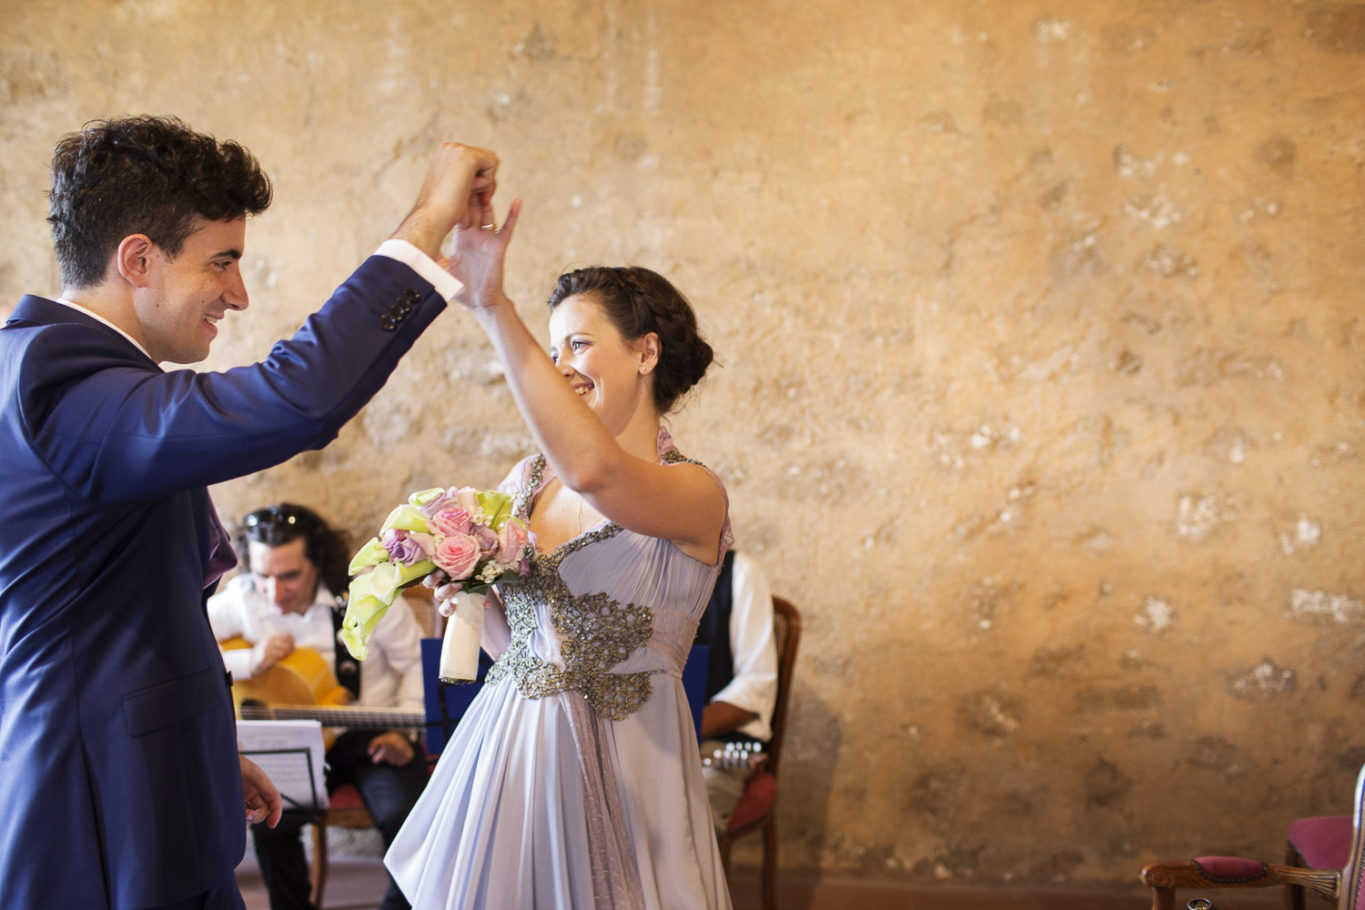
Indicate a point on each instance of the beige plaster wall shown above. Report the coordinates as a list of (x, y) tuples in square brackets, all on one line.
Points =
[(1040, 329)]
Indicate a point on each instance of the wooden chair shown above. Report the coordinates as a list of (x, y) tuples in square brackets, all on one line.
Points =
[(1338, 884), (345, 810), (757, 807), (1319, 842)]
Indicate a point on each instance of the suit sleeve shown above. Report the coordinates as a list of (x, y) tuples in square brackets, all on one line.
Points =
[(115, 428)]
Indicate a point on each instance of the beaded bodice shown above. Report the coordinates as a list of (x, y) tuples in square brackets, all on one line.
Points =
[(603, 613), (598, 633)]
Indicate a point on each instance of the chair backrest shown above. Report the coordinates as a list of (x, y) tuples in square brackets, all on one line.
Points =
[(1353, 876), (787, 635)]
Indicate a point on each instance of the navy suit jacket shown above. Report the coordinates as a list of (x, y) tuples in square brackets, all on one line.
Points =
[(119, 778)]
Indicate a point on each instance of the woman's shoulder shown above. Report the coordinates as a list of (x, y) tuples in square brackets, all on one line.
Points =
[(524, 481), (522, 473), (674, 458)]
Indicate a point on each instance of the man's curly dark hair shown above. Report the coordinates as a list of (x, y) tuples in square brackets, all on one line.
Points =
[(143, 175), (284, 522)]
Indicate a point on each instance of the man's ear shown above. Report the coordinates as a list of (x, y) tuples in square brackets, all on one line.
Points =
[(134, 259), (647, 346)]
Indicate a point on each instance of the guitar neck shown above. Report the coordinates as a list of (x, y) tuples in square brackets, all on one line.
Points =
[(337, 716)]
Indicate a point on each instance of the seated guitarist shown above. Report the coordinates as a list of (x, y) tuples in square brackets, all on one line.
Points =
[(286, 601)]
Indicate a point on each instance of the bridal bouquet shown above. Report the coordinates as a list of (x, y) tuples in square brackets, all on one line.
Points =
[(459, 537)]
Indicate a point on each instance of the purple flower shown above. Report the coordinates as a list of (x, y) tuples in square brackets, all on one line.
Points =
[(402, 548), (435, 505), (487, 538)]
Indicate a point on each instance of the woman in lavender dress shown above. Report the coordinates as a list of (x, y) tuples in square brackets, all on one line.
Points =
[(573, 780)]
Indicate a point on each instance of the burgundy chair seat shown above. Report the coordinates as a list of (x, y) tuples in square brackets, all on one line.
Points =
[(1230, 868), (760, 792), (348, 797), (1323, 841)]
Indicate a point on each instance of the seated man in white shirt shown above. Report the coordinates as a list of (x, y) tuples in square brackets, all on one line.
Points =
[(741, 677), (287, 601)]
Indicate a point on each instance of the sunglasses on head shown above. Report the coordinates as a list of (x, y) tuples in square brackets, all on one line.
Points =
[(271, 516)]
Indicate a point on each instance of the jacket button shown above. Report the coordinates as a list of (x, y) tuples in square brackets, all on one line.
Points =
[(387, 322)]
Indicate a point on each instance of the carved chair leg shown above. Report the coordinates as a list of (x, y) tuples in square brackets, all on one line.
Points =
[(1163, 899), (318, 873), (1293, 894), (770, 862)]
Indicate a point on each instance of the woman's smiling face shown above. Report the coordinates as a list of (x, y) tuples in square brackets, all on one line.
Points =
[(606, 370)]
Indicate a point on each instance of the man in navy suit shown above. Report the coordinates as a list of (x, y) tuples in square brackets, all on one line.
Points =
[(119, 773)]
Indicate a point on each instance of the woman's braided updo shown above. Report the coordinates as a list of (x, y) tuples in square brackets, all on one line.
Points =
[(639, 301)]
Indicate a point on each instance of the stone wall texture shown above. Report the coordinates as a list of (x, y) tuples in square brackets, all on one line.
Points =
[(1040, 329)]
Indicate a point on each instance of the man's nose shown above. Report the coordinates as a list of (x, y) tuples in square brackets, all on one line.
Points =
[(235, 296)]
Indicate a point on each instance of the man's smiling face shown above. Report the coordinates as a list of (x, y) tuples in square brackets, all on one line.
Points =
[(185, 297)]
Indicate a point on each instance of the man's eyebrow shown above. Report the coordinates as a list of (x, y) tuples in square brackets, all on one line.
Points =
[(232, 253)]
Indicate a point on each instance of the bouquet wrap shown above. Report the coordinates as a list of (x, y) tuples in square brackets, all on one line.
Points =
[(460, 647)]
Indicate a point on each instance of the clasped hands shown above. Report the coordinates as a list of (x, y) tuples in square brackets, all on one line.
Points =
[(457, 195), (458, 188)]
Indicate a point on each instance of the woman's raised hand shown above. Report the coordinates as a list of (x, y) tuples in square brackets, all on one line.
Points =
[(477, 256)]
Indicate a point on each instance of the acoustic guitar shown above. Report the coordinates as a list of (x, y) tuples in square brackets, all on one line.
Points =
[(303, 686)]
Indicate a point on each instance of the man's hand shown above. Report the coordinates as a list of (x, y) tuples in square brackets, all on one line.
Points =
[(263, 802), (457, 189), (277, 648), (720, 717), (390, 748)]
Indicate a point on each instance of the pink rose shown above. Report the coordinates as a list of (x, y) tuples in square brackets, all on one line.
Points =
[(512, 540), (457, 555), (450, 522)]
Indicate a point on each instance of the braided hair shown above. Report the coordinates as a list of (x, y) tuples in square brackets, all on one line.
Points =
[(639, 301)]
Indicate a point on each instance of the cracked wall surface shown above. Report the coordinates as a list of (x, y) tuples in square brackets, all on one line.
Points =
[(1040, 336)]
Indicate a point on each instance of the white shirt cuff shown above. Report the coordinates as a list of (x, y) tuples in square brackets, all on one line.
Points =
[(446, 284)]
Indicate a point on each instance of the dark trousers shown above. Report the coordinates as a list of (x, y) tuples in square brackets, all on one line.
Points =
[(389, 793), (225, 897)]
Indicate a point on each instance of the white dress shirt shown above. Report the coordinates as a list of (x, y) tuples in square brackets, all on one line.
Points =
[(390, 676), (754, 686)]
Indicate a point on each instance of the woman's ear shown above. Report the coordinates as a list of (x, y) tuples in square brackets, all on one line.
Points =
[(647, 347), (133, 259)]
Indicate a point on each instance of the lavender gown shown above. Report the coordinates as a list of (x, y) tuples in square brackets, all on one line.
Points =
[(573, 779)]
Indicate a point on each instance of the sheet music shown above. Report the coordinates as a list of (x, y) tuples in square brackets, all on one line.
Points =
[(290, 752)]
